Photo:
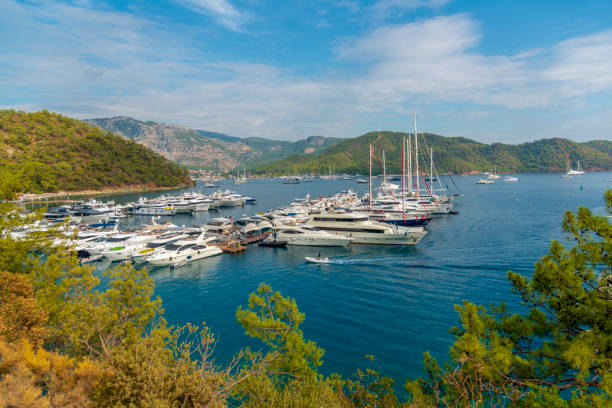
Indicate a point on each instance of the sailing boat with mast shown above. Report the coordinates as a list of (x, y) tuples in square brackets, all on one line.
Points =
[(571, 172)]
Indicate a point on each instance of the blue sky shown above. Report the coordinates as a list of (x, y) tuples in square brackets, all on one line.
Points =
[(494, 71)]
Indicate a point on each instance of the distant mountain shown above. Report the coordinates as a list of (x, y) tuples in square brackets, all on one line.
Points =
[(46, 152), (204, 149), (451, 154)]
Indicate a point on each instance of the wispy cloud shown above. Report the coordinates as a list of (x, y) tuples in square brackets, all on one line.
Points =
[(222, 10), (582, 65), (384, 9), (92, 62)]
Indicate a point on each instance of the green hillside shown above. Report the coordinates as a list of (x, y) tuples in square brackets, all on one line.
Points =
[(451, 154), (50, 152)]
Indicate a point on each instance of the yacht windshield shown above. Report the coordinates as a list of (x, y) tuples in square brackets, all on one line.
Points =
[(117, 239)]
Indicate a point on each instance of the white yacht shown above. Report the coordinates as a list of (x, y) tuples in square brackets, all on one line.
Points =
[(184, 251), (364, 231), (306, 235), (232, 200), (571, 172), (485, 181), (155, 210), (128, 247), (155, 246), (218, 227), (96, 248)]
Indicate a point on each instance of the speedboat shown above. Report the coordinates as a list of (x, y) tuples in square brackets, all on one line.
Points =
[(317, 259), (509, 178), (485, 181), (305, 235)]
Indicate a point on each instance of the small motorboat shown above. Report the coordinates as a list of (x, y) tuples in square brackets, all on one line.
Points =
[(318, 259), (272, 243)]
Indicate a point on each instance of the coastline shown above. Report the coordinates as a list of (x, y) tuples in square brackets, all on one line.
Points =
[(137, 188)]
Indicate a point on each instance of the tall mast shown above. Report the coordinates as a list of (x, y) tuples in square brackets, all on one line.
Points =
[(431, 171), (416, 157), (370, 182), (409, 150), (403, 177), (384, 168)]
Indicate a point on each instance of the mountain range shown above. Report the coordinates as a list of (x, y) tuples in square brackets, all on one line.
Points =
[(451, 154), (205, 149)]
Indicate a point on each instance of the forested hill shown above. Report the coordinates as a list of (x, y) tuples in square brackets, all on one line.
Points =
[(451, 154), (46, 152)]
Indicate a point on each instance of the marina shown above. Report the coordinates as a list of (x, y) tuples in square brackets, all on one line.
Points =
[(414, 287)]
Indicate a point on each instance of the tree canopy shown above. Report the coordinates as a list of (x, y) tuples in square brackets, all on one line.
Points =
[(47, 152)]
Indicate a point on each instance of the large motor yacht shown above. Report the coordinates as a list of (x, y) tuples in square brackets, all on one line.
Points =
[(306, 235), (364, 231)]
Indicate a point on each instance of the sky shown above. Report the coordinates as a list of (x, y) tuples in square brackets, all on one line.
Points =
[(490, 70)]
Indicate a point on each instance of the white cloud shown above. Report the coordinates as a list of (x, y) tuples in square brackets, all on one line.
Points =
[(582, 65), (89, 62), (222, 10)]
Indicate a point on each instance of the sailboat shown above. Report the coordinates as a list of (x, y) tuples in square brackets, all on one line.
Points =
[(571, 172), (242, 180), (493, 174)]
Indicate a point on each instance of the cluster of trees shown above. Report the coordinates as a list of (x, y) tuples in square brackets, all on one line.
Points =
[(454, 155), (67, 340), (46, 152)]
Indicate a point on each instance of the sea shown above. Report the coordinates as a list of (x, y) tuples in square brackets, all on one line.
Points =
[(394, 303)]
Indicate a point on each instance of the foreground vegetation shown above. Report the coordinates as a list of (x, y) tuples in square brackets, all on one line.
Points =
[(451, 154), (47, 152), (72, 338)]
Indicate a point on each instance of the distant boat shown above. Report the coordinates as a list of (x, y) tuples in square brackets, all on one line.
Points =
[(362, 181), (485, 181), (571, 172), (508, 178), (317, 259), (211, 185), (293, 180)]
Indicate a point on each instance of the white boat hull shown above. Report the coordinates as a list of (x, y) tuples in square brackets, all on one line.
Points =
[(154, 211), (319, 242)]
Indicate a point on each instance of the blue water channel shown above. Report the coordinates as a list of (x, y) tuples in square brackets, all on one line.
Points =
[(392, 302)]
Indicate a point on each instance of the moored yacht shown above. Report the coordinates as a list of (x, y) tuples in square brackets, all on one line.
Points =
[(128, 247), (364, 231), (184, 251), (306, 235), (155, 246)]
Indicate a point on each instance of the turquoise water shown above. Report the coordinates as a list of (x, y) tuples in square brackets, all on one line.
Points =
[(392, 302)]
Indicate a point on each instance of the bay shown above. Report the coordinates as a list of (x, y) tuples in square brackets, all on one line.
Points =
[(391, 302)]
